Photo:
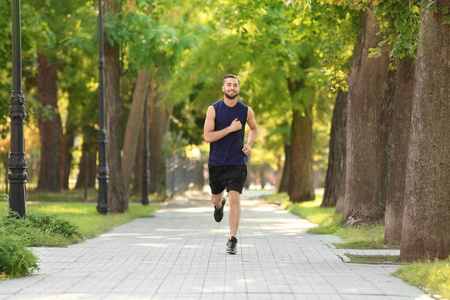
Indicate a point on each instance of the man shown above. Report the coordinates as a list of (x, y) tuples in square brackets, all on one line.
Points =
[(225, 129)]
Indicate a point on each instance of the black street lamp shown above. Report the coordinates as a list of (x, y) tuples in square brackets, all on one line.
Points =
[(17, 162), (102, 170), (145, 172)]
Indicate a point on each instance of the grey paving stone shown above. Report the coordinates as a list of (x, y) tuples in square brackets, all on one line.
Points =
[(180, 254)]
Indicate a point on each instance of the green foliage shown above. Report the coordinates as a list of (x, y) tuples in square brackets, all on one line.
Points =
[(40, 229), (431, 276), (15, 259), (400, 27), (4, 197), (174, 143), (50, 224)]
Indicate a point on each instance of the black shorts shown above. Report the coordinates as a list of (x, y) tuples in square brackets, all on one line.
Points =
[(231, 177)]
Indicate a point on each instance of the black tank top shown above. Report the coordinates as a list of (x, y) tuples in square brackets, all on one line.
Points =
[(228, 150)]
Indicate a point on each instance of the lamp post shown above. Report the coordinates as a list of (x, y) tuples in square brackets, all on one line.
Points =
[(102, 170), (145, 172), (17, 162)]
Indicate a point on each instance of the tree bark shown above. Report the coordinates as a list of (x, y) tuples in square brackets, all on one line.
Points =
[(284, 185), (138, 161), (366, 159), (340, 203), (337, 151), (159, 127), (66, 161), (49, 127), (402, 106), (301, 187), (67, 140), (152, 97), (133, 126), (426, 222), (90, 164), (113, 106)]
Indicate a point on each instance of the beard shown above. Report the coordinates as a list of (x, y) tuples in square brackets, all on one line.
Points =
[(230, 96)]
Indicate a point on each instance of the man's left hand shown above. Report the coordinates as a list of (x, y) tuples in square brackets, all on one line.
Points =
[(247, 149)]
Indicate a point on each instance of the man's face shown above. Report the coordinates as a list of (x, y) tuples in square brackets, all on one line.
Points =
[(231, 88)]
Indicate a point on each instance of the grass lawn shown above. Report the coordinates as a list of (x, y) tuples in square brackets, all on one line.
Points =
[(85, 216), (89, 221), (434, 277)]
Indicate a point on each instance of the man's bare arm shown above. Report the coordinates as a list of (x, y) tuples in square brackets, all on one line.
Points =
[(208, 128), (252, 133)]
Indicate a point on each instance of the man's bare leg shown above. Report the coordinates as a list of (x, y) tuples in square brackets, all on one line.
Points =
[(217, 200), (235, 212)]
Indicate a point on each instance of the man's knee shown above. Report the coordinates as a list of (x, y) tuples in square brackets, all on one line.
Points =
[(234, 198), (216, 198)]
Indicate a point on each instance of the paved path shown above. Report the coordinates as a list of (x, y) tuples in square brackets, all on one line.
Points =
[(180, 254)]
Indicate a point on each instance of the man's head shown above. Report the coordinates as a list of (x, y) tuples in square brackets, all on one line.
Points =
[(231, 86)]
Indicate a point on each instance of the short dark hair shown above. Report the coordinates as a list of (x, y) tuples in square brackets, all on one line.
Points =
[(230, 76)]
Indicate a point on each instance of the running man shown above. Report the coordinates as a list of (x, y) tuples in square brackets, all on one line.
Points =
[(225, 129)]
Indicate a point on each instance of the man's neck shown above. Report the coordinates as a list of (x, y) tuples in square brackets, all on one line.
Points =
[(230, 102)]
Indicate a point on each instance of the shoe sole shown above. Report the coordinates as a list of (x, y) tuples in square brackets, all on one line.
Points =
[(230, 251)]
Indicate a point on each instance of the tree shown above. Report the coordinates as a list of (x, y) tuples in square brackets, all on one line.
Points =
[(160, 125), (49, 127), (426, 222), (337, 151), (284, 184), (301, 186), (401, 124), (366, 156), (113, 104), (134, 125)]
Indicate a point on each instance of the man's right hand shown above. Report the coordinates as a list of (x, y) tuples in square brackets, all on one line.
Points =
[(235, 125)]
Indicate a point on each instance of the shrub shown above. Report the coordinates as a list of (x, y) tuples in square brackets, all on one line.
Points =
[(50, 224), (15, 258)]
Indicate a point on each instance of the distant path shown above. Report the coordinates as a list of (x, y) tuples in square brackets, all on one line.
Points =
[(180, 254)]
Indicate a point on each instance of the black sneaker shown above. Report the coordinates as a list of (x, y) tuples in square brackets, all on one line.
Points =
[(218, 213), (232, 245)]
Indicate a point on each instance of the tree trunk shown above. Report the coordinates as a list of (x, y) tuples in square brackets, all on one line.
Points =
[(133, 125), (426, 222), (402, 106), (301, 187), (368, 78), (284, 185), (113, 104), (90, 164), (159, 127), (152, 97), (66, 161), (340, 203), (49, 127), (157, 159), (138, 161), (336, 156), (67, 140)]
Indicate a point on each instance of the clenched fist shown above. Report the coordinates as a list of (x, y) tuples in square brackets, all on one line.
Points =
[(247, 148), (235, 125)]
